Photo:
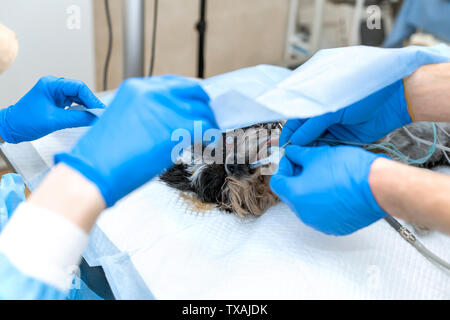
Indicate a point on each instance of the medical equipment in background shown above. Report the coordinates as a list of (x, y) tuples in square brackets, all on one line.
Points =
[(302, 44), (133, 31), (201, 28), (133, 16), (299, 47), (430, 16), (110, 44), (406, 234), (153, 47)]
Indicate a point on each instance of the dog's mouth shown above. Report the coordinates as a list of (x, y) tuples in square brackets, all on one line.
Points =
[(242, 153), (222, 173)]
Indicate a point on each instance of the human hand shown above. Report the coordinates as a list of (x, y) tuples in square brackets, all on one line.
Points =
[(365, 121), (42, 110), (328, 187), (131, 142)]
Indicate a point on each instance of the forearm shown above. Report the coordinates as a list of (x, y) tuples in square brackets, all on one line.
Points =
[(68, 193), (46, 236), (416, 195), (428, 93)]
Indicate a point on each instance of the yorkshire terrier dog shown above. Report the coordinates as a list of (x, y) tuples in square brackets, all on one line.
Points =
[(234, 186), (231, 184)]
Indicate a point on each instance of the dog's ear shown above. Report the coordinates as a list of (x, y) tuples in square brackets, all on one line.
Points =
[(177, 177)]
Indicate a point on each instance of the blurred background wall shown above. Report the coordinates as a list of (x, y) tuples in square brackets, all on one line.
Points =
[(54, 39), (239, 33)]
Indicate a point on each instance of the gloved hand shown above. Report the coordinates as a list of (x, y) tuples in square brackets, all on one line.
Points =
[(41, 111), (131, 143), (366, 121), (328, 187)]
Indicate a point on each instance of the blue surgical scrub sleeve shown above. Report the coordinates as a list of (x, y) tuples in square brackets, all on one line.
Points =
[(13, 283), (16, 285)]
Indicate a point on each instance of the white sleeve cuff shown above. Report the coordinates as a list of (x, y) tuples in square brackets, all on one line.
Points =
[(43, 245)]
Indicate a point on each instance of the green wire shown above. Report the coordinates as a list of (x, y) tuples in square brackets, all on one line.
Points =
[(390, 148)]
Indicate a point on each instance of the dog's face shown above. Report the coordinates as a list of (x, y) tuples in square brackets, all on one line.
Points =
[(221, 174)]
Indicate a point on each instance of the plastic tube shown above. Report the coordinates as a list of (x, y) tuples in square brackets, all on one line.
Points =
[(406, 234), (393, 150)]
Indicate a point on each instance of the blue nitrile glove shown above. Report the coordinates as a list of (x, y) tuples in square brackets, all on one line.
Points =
[(328, 187), (366, 121), (131, 142), (41, 111)]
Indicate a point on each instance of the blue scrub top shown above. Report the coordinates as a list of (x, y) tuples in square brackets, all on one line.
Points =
[(16, 285)]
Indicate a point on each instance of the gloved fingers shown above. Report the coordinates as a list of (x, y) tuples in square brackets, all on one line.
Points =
[(285, 168), (302, 155), (289, 128), (163, 78), (192, 91), (280, 185), (321, 144), (282, 181), (191, 97), (78, 92), (312, 129), (75, 118), (194, 107), (194, 110), (183, 87), (203, 113), (171, 78)]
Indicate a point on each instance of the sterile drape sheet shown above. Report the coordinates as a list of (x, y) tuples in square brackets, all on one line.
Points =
[(332, 79), (158, 243)]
